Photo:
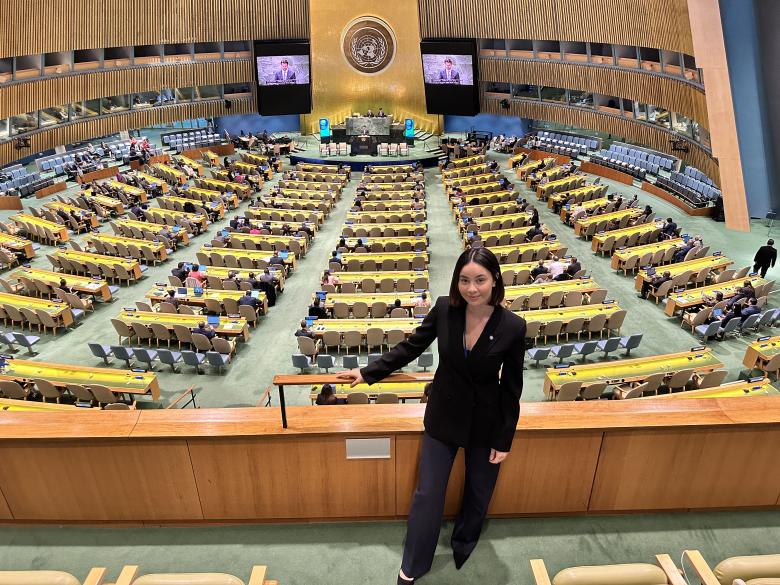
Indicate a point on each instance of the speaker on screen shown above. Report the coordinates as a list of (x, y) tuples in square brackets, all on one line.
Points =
[(283, 77), (451, 76)]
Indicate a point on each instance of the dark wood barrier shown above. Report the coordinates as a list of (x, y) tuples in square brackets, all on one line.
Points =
[(607, 173), (137, 165), (542, 154), (58, 187), (12, 202), (239, 464), (220, 149), (677, 202), (97, 175)]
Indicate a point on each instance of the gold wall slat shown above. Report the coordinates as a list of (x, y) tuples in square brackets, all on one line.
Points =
[(35, 95), (662, 24), (95, 127), (676, 96), (634, 132), (45, 26)]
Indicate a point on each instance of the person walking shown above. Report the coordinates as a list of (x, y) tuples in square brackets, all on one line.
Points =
[(470, 405), (764, 258)]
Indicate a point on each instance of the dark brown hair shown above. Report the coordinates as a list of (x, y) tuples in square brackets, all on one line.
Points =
[(485, 258)]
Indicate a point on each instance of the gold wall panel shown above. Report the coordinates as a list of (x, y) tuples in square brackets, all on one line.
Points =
[(662, 24), (95, 127), (339, 90), (624, 128), (676, 96), (58, 91), (44, 26)]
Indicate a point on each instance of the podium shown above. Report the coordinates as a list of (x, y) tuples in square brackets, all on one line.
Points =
[(363, 145)]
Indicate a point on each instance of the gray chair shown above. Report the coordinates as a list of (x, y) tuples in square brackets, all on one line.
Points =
[(26, 341), (425, 361), (123, 353), (357, 398), (586, 348), (562, 351), (300, 361), (350, 362), (326, 362), (166, 356), (220, 360), (537, 354), (101, 351), (707, 331), (194, 359), (609, 345), (47, 389), (146, 356), (750, 323), (13, 390), (631, 342), (731, 327)]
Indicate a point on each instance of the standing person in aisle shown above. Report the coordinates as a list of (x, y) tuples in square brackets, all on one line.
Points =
[(470, 406)]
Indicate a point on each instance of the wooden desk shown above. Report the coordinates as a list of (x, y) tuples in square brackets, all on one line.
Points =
[(315, 194), (303, 242), (363, 325), (119, 381), (393, 206), (194, 165), (25, 220), (317, 168), (396, 275), (134, 192), (581, 225), (158, 215), (526, 169), (619, 257), (716, 263), (259, 160), (154, 181), (419, 243), (583, 285), (379, 257), (227, 327), (736, 389), (585, 205), (372, 218), (132, 266), (408, 300), (222, 273), (556, 247), (523, 218), (411, 227), (324, 205), (157, 248), (279, 225), (114, 205), (566, 314), (567, 184), (392, 195), (587, 192), (335, 188), (160, 294), (761, 350), (485, 211), (8, 404), (287, 215), (379, 169), (182, 236), (254, 255), (82, 284), (88, 216), (243, 190), (627, 231), (632, 370), (695, 296), (511, 233), (199, 194), (60, 312), (170, 173), (390, 185), (17, 244), (483, 198), (203, 207)]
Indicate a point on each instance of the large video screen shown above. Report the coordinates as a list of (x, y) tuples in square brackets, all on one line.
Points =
[(283, 76), (450, 76)]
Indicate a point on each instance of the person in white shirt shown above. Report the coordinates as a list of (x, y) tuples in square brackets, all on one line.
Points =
[(556, 267)]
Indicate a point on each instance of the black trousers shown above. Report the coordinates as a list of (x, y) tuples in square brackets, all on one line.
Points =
[(762, 268), (425, 516)]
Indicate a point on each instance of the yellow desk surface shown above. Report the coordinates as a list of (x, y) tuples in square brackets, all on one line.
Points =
[(761, 350), (294, 203), (586, 205), (154, 181), (632, 370), (270, 212), (131, 190), (527, 168), (310, 186), (124, 381), (325, 177), (619, 257), (555, 197), (463, 181), (210, 205), (182, 236), (397, 206), (392, 195), (270, 224), (9, 404), (483, 198), (453, 173), (198, 218), (582, 224), (393, 226), (271, 239), (59, 311), (626, 231), (695, 296), (511, 232), (57, 228), (104, 201), (488, 219), (132, 266), (372, 217), (543, 191), (226, 185), (194, 165), (386, 324), (157, 247), (404, 390), (407, 299), (566, 314), (583, 285), (389, 168), (78, 211), (368, 240), (555, 247), (228, 326), (716, 263), (400, 186), (499, 208), (731, 390), (469, 190), (160, 294), (378, 257), (180, 176), (358, 277), (82, 284), (310, 194), (222, 273), (17, 243), (518, 266), (253, 254)]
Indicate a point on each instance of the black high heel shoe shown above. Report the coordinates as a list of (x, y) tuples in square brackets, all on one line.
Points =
[(460, 559), (402, 581)]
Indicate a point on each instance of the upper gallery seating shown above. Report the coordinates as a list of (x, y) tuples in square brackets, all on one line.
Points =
[(190, 140), (16, 177), (565, 144), (691, 185), (634, 161)]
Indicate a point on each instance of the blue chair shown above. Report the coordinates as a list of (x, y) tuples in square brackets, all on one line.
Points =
[(194, 359), (26, 341), (101, 351), (707, 331), (326, 362), (731, 327), (609, 345), (425, 361), (220, 360), (538, 354), (146, 356), (767, 318), (123, 353), (562, 351), (631, 342), (300, 361), (586, 348), (350, 362), (9, 340), (166, 356), (750, 323)]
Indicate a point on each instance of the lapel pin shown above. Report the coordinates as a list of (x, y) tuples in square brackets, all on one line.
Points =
[(491, 338)]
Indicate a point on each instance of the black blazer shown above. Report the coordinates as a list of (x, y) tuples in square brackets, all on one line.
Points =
[(765, 256), (469, 405)]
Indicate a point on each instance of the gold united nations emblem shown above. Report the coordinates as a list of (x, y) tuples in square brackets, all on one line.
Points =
[(368, 44)]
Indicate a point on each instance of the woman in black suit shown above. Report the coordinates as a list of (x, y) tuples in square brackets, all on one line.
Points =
[(469, 406)]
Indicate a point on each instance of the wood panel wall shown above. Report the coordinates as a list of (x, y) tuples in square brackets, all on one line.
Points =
[(43, 26), (674, 95), (634, 132), (91, 128), (45, 93), (662, 24)]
